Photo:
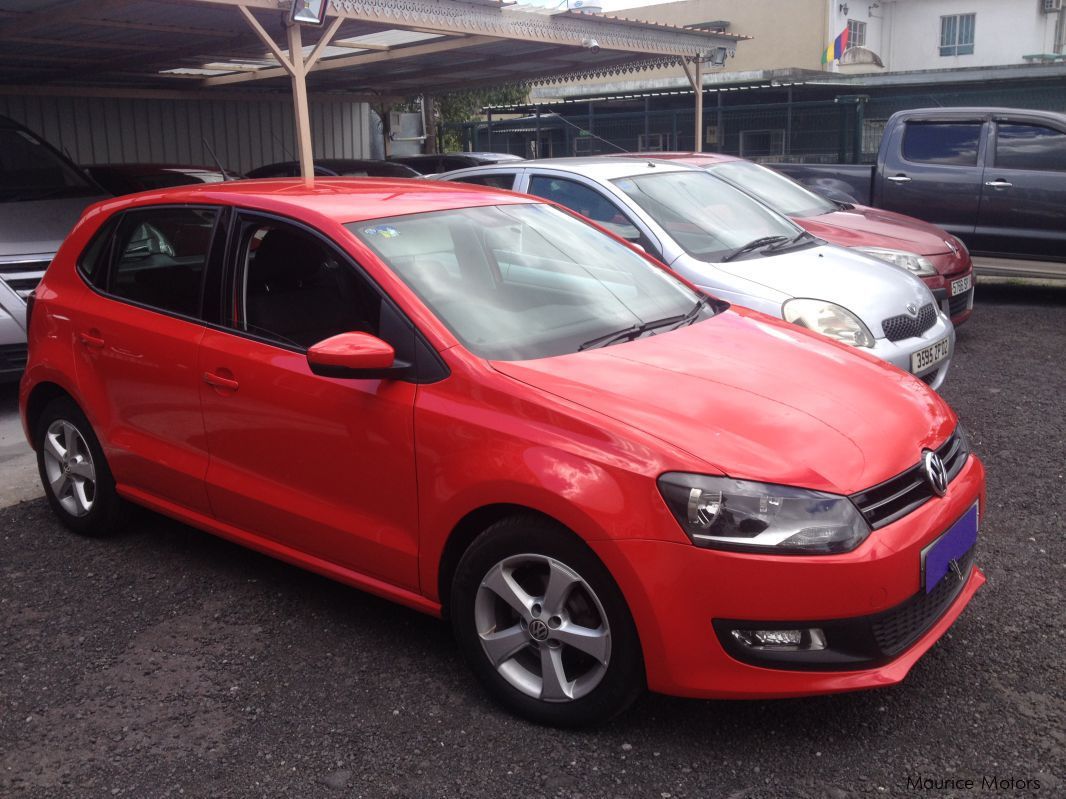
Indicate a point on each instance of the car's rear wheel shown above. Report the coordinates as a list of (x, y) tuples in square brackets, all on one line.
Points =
[(74, 472), (544, 625)]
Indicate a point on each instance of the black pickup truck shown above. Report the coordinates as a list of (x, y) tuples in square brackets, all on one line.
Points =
[(995, 177)]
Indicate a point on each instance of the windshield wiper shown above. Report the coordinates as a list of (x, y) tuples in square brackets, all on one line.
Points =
[(635, 331), (754, 245), (798, 238)]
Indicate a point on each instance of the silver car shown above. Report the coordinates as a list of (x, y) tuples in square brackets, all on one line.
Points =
[(738, 249), (42, 195)]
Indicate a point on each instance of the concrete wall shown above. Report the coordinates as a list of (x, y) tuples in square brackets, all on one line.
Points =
[(244, 132), (1005, 30)]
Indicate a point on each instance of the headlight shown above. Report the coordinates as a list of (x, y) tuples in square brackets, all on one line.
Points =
[(918, 264), (829, 319), (723, 513)]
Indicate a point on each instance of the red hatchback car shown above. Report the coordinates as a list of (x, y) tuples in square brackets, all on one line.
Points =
[(938, 258), (480, 406)]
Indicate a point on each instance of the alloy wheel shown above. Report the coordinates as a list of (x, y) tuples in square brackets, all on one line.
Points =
[(542, 628), (68, 465)]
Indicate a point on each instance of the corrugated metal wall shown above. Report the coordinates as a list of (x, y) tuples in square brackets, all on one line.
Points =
[(244, 133)]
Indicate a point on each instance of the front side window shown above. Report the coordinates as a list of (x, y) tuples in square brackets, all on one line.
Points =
[(31, 170), (779, 192), (160, 257), (957, 34), (518, 282), (856, 33), (953, 143), (586, 201), (1030, 147), (296, 290), (708, 218)]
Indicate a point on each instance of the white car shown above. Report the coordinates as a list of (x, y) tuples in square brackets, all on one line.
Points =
[(738, 249)]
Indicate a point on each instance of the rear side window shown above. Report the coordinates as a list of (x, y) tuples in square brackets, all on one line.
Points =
[(160, 257), (495, 181), (1030, 147), (953, 143), (587, 202)]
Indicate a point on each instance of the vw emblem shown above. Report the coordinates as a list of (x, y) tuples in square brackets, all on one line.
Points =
[(952, 247), (538, 630), (935, 473), (912, 309)]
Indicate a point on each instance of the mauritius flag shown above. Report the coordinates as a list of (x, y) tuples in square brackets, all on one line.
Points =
[(837, 48)]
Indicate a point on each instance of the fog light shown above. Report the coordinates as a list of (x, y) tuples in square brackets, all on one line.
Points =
[(804, 640)]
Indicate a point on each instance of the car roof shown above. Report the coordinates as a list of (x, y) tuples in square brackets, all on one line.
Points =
[(600, 167), (341, 200), (151, 168), (694, 159)]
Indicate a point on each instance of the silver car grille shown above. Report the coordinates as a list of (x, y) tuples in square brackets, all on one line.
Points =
[(22, 277)]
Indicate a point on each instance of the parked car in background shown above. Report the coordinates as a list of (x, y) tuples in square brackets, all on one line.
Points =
[(446, 162), (994, 177), (337, 167), (484, 408), (934, 255), (122, 179), (42, 194), (727, 242)]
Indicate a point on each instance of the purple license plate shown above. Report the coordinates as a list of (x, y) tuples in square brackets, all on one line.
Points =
[(937, 558)]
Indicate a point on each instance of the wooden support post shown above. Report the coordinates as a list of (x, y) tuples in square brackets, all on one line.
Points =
[(698, 69), (300, 106), (430, 116)]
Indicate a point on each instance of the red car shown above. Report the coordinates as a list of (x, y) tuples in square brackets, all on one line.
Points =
[(480, 406), (933, 254)]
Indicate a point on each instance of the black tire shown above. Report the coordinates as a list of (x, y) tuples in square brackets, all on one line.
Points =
[(535, 540), (108, 511)]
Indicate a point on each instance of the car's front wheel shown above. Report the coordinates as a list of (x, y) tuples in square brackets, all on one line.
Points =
[(544, 625)]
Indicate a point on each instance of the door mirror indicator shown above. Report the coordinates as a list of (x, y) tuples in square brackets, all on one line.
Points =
[(355, 356)]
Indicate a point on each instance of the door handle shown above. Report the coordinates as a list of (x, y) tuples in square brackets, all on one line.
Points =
[(899, 179), (92, 340), (217, 381), (998, 183)]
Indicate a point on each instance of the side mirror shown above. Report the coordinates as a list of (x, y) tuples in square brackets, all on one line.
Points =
[(355, 356)]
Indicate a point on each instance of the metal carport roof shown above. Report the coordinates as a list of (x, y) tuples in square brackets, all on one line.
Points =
[(383, 48)]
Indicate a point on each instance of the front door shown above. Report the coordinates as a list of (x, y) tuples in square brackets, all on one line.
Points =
[(319, 465)]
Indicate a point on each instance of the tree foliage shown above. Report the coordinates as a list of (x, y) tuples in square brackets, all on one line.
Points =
[(458, 107)]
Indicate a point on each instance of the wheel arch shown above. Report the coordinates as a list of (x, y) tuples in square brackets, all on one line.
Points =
[(38, 399)]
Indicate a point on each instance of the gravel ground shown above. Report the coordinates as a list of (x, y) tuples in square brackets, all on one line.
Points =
[(166, 662)]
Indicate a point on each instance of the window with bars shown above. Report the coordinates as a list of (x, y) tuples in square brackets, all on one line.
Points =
[(956, 34), (856, 33)]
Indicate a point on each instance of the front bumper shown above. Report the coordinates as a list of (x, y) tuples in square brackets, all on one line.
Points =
[(951, 268), (898, 353), (676, 592)]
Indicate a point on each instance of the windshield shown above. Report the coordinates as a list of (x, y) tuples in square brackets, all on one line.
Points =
[(31, 170), (782, 194), (708, 218), (518, 282)]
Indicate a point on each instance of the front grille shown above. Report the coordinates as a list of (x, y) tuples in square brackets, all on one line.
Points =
[(896, 497), (904, 326), (12, 357), (22, 276), (959, 303), (898, 628)]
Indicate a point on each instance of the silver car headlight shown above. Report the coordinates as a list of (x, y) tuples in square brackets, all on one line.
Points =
[(723, 513), (918, 264), (829, 319)]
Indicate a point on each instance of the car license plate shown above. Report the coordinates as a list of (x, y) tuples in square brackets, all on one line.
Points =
[(948, 549), (930, 356), (961, 285)]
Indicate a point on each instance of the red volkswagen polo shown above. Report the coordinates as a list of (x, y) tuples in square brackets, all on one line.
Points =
[(482, 407)]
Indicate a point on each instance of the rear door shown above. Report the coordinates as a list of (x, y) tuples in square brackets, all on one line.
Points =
[(933, 171), (1023, 199), (137, 338)]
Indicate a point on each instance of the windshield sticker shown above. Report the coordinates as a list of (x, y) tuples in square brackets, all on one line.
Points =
[(385, 231)]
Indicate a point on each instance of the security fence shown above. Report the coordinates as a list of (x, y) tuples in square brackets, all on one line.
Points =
[(836, 129)]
